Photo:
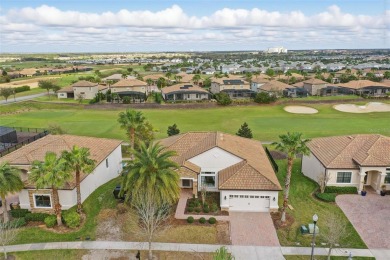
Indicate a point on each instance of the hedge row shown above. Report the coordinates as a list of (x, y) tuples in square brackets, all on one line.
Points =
[(341, 190), (19, 213), (328, 197), (202, 220), (22, 89), (36, 217)]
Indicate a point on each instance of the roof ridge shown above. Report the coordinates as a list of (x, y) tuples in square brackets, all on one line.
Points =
[(337, 156), (226, 170), (263, 175)]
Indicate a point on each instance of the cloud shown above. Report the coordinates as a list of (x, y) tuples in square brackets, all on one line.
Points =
[(170, 26)]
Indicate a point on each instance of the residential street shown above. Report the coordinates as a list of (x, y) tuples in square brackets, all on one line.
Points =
[(19, 99)]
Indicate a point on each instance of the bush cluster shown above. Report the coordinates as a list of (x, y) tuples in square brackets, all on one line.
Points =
[(223, 99), (50, 221), (190, 219), (22, 89), (202, 220), (36, 217), (341, 190), (72, 219), (19, 213), (265, 98), (16, 223), (328, 197)]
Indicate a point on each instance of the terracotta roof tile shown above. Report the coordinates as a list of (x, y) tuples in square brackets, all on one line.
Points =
[(84, 83), (315, 81), (183, 88), (124, 83)]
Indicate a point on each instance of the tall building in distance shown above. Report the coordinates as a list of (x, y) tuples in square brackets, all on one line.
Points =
[(276, 50)]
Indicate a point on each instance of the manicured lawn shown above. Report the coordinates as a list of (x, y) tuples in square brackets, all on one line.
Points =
[(266, 122), (307, 257), (305, 206), (50, 254), (26, 93), (318, 98), (54, 98), (101, 198)]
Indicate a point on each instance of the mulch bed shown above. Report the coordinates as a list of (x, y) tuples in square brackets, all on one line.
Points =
[(278, 224), (277, 155)]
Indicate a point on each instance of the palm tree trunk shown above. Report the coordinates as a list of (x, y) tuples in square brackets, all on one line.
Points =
[(287, 188), (78, 192), (132, 141), (5, 211), (57, 206)]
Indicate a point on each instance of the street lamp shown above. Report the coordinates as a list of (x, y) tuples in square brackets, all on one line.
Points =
[(315, 219)]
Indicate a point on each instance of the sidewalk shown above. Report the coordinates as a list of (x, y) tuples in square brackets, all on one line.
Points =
[(240, 252)]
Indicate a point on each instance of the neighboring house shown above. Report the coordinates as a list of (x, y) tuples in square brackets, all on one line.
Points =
[(234, 87), (184, 92), (256, 83), (236, 167), (28, 72), (66, 92), (208, 71), (133, 88), (314, 86), (116, 78), (367, 87), (106, 152), (356, 160), (87, 89), (275, 87)]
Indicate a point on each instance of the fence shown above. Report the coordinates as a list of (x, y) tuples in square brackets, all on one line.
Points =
[(7, 149), (274, 165)]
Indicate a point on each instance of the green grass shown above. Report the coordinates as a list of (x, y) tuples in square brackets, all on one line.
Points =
[(25, 93), (54, 98), (266, 122), (305, 206), (307, 257), (318, 98), (101, 198)]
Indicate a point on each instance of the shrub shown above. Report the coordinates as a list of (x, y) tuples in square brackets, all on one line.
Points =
[(328, 197), (22, 89), (214, 207), (126, 100), (341, 190), (72, 219), (223, 99), (264, 98), (51, 221), (16, 223), (190, 219), (206, 210), (212, 220), (191, 204), (197, 210), (190, 209), (197, 203), (19, 213), (202, 220), (36, 217)]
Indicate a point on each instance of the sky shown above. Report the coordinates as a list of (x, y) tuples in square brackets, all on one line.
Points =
[(31, 26)]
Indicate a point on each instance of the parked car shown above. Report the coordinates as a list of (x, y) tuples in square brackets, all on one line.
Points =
[(117, 191)]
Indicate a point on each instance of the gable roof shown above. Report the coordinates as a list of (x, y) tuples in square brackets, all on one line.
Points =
[(254, 172), (275, 85), (99, 149), (124, 83), (358, 84), (315, 81), (350, 152)]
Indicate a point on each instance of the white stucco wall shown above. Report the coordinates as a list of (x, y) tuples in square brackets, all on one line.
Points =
[(355, 178), (102, 174), (24, 199), (89, 92), (311, 167), (272, 194), (62, 95), (215, 160)]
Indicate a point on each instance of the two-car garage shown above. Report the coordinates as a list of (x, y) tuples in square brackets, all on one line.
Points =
[(249, 201)]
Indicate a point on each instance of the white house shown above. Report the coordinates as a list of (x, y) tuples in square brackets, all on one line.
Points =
[(355, 160), (236, 167), (108, 160)]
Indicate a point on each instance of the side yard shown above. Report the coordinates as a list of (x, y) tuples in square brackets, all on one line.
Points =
[(305, 205)]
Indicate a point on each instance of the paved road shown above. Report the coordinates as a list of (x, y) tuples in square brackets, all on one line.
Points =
[(19, 99), (240, 252)]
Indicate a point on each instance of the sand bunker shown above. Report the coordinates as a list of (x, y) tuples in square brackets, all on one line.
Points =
[(368, 108), (300, 110)]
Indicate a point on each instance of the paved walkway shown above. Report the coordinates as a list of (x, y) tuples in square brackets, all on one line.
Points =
[(240, 252), (19, 99), (185, 194), (370, 215), (253, 228)]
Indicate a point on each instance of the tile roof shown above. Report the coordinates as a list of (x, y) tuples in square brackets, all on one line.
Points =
[(124, 83), (183, 88), (230, 78), (84, 83), (357, 84), (99, 148), (253, 173), (350, 152), (275, 85), (315, 81), (66, 90)]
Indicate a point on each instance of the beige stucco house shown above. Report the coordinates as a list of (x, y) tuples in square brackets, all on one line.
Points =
[(314, 86), (108, 165), (133, 88), (236, 167), (234, 87), (355, 160), (184, 91), (82, 88)]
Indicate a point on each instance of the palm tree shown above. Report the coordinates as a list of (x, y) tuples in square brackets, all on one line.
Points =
[(132, 121), (196, 79), (78, 160), (168, 75), (152, 171), (124, 76), (10, 182), (161, 82), (292, 144), (178, 78), (51, 173), (149, 81), (288, 74)]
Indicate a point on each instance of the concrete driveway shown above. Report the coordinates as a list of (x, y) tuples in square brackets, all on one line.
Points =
[(370, 215), (252, 229)]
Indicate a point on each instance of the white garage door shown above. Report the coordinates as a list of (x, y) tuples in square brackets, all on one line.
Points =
[(252, 203)]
